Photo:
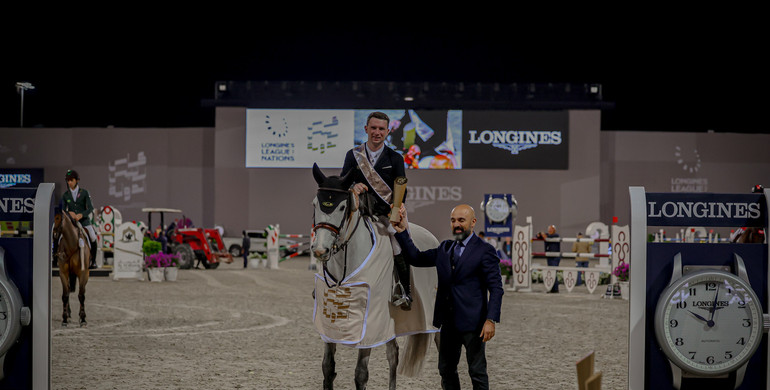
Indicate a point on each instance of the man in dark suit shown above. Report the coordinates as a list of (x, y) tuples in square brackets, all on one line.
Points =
[(468, 271), (375, 166)]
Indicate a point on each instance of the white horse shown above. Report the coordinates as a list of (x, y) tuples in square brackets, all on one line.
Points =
[(354, 286)]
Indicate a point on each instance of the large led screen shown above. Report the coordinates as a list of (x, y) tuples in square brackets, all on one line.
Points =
[(427, 139)]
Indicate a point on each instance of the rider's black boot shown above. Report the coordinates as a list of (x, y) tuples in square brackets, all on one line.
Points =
[(404, 279), (93, 255)]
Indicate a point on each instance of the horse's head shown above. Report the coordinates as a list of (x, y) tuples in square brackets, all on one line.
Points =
[(333, 205), (57, 226)]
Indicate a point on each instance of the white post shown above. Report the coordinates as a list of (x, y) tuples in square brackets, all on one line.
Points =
[(272, 246)]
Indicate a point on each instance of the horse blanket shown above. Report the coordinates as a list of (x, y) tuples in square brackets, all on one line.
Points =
[(357, 311)]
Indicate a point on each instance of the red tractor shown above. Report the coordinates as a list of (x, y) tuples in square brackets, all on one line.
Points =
[(189, 243)]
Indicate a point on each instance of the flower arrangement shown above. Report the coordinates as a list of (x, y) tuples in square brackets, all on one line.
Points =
[(506, 267), (621, 271), (161, 260)]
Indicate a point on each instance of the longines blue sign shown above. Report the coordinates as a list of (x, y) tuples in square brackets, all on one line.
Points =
[(699, 209), (20, 177), (17, 204)]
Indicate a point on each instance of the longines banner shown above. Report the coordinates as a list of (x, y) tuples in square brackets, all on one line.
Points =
[(515, 139), (699, 209), (20, 177)]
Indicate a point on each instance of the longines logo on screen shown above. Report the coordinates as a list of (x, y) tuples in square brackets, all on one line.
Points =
[(513, 140)]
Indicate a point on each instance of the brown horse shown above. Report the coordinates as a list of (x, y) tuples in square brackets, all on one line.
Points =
[(751, 235), (73, 258)]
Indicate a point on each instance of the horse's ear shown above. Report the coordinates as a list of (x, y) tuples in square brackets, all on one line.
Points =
[(318, 175), (347, 180)]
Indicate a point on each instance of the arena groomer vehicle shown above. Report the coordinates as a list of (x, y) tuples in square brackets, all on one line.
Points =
[(187, 242)]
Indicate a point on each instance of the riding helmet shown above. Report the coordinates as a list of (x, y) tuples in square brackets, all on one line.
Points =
[(71, 174)]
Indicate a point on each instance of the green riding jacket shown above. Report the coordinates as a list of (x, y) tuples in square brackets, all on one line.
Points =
[(81, 205)]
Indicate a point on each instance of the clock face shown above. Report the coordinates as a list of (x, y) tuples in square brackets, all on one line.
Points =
[(497, 209), (4, 320), (709, 322)]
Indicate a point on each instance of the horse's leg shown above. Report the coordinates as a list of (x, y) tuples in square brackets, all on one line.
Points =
[(328, 365), (64, 276), (391, 351), (362, 368), (82, 296)]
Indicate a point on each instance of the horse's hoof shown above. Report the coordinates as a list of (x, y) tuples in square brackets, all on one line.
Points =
[(64, 324), (83, 324)]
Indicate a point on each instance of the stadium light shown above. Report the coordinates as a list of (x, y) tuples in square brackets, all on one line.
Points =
[(22, 86)]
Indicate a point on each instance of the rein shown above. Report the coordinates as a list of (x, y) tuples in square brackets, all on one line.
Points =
[(342, 247)]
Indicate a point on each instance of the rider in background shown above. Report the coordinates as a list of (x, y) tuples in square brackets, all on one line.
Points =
[(77, 202)]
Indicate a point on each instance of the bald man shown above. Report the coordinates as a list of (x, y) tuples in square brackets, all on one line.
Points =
[(469, 296)]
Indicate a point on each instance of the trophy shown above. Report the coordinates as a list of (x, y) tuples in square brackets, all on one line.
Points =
[(398, 198)]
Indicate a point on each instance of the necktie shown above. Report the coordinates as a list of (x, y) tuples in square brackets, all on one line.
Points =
[(456, 252)]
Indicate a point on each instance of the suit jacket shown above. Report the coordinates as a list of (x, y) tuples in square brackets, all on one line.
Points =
[(81, 205), (461, 299), (389, 166)]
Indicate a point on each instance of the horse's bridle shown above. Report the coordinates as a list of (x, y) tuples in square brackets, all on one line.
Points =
[(336, 231)]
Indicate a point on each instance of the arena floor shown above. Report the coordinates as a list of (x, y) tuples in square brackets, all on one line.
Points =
[(231, 328)]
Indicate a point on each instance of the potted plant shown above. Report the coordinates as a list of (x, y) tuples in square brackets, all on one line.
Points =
[(621, 272), (506, 269), (171, 267), (154, 264)]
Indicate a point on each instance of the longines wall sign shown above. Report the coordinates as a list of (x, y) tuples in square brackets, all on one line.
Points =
[(695, 209)]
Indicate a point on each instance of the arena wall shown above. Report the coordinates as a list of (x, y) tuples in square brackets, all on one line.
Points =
[(202, 172)]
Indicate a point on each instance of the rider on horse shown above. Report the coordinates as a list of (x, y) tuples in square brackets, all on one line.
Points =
[(77, 202), (376, 166)]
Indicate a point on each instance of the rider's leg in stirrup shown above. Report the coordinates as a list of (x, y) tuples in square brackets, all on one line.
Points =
[(402, 295)]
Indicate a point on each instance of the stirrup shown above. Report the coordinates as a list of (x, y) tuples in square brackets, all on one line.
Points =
[(400, 298)]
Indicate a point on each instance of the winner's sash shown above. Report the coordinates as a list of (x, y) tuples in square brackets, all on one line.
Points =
[(378, 184)]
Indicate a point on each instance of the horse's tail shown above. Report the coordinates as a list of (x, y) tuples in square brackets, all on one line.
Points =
[(414, 353), (73, 282)]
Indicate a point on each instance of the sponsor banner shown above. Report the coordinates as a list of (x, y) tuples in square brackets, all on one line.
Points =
[(420, 196), (698, 209), (16, 204), (515, 139), (297, 138), (430, 139), (20, 177)]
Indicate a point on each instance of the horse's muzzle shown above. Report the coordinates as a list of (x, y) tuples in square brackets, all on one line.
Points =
[(321, 254)]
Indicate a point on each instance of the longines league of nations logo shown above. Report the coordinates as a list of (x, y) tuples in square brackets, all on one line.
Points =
[(690, 163)]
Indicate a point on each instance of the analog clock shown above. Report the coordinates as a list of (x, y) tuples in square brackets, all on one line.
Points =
[(12, 315), (709, 321), (497, 209)]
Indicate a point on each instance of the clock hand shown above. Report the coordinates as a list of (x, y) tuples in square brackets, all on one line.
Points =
[(698, 316), (714, 305)]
